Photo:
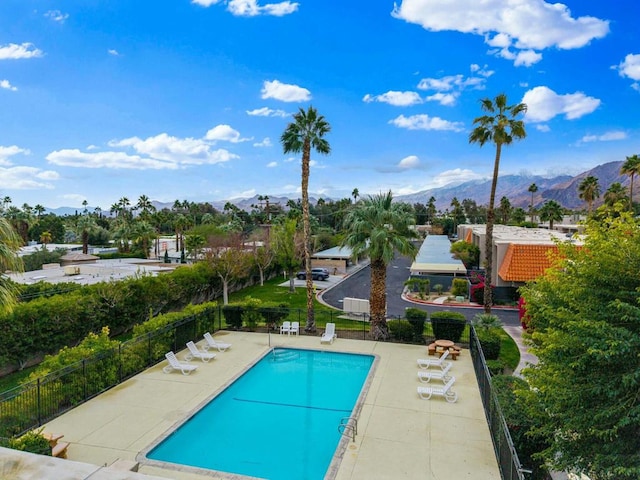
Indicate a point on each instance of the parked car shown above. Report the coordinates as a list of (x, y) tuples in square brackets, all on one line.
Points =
[(316, 274)]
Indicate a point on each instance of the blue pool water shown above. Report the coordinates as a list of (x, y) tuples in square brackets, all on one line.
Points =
[(278, 421)]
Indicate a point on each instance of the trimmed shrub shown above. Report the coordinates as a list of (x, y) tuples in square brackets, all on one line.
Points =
[(274, 314), (490, 342), (496, 367), (448, 325), (233, 316), (401, 330), (459, 287), (416, 318), (32, 442)]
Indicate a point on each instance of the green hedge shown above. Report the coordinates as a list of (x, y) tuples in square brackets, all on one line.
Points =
[(448, 325), (46, 324)]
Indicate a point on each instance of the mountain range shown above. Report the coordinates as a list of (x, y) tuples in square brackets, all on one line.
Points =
[(562, 188)]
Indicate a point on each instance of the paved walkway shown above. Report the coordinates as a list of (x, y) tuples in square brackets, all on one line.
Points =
[(400, 436)]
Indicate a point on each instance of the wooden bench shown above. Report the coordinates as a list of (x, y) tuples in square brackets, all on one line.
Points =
[(432, 348), (60, 450)]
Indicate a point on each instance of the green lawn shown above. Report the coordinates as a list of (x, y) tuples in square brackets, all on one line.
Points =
[(13, 379), (509, 353)]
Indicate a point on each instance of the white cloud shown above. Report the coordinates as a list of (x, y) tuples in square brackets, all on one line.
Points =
[(543, 104), (527, 58), (449, 87), (6, 85), (630, 67), (284, 92), (409, 162), (425, 122), (114, 52), (272, 164), (7, 152), (26, 178), (525, 25), (264, 143), (117, 160), (251, 8), (14, 51), (457, 175), (397, 99), (75, 198), (56, 15), (224, 133), (543, 128), (605, 137), (445, 99), (156, 153), (267, 112), (205, 3)]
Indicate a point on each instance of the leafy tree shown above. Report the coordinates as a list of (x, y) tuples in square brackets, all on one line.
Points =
[(287, 245), (194, 244), (631, 167), (10, 244), (377, 227), (307, 131), (551, 212), (50, 223), (431, 209), (589, 191), (518, 215), (499, 126), (45, 237), (466, 252), (229, 260), (585, 317)]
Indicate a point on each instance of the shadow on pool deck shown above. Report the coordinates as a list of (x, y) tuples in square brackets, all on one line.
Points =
[(400, 436)]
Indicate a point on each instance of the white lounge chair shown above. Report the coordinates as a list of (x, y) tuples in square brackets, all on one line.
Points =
[(445, 391), (211, 343), (285, 328), (425, 363), (175, 364), (295, 328), (425, 376), (194, 352), (329, 334)]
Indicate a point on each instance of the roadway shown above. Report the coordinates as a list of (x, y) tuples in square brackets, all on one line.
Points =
[(358, 285)]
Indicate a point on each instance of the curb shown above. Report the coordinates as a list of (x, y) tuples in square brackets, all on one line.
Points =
[(457, 305)]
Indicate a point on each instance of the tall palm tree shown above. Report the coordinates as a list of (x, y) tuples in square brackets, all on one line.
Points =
[(10, 243), (84, 226), (145, 207), (631, 167), (377, 227), (499, 126), (45, 237), (533, 188), (355, 194), (615, 193), (307, 131), (589, 190), (551, 212)]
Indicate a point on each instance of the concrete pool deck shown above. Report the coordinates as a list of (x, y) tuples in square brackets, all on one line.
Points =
[(399, 436)]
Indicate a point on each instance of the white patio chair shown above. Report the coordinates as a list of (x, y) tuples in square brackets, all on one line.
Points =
[(445, 391), (211, 343), (285, 327), (329, 334), (194, 352), (175, 364), (426, 376), (295, 328), (425, 363)]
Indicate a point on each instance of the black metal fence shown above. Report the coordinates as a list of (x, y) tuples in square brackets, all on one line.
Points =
[(33, 404), (510, 467)]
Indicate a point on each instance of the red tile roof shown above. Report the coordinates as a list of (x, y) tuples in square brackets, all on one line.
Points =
[(524, 262)]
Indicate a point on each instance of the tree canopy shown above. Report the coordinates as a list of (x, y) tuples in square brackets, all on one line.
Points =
[(586, 320)]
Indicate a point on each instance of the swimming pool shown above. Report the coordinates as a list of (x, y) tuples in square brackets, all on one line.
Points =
[(279, 420)]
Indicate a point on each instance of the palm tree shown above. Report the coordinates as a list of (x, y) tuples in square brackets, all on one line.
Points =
[(533, 188), (45, 237), (84, 226), (355, 194), (144, 233), (500, 127), (377, 227), (145, 206), (505, 210), (589, 190), (615, 193), (307, 131), (631, 167), (10, 243), (551, 211)]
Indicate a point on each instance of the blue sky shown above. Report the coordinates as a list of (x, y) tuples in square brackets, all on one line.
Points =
[(187, 99)]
